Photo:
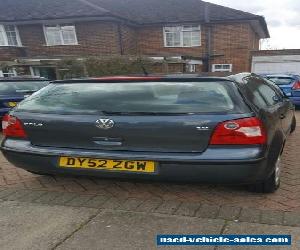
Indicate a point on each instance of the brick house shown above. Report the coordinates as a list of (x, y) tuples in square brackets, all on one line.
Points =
[(180, 36)]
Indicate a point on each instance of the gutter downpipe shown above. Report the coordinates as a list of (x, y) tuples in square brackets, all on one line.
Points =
[(208, 38)]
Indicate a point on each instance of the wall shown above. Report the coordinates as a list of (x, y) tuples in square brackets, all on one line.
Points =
[(94, 38), (8, 53), (232, 44)]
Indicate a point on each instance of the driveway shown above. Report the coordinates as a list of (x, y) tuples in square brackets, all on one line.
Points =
[(33, 226)]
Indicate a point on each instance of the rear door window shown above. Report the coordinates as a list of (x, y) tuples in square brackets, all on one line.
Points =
[(269, 94), (258, 99), (278, 90), (263, 94), (135, 97)]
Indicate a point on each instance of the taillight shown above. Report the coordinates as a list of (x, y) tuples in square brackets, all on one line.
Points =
[(296, 86), (12, 127), (246, 131)]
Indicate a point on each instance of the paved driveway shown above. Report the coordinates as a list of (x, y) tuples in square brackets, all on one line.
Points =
[(135, 193), (35, 226)]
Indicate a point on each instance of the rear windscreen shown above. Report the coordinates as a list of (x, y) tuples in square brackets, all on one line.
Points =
[(281, 80), (7, 88), (145, 97)]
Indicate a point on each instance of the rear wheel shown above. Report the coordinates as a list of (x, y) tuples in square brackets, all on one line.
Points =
[(272, 183), (294, 124)]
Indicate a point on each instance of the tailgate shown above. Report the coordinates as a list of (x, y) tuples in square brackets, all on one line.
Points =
[(180, 133)]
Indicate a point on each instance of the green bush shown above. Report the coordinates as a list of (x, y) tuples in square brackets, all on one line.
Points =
[(70, 68), (116, 66), (94, 67)]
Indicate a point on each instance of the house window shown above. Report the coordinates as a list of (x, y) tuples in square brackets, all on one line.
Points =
[(182, 36), (222, 68), (60, 35), (9, 36), (9, 72)]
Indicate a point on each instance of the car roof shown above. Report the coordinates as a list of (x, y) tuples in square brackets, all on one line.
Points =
[(155, 78), (142, 79)]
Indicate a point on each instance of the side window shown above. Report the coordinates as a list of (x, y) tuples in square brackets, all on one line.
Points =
[(279, 91), (258, 99), (262, 95), (255, 96), (269, 94)]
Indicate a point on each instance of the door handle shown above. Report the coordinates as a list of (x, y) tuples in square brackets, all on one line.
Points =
[(282, 116)]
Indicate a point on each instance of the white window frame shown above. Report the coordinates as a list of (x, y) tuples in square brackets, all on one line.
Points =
[(12, 72), (61, 35), (221, 70), (3, 31), (182, 27)]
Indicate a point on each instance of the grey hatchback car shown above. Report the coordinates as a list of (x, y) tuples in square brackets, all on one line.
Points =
[(228, 130)]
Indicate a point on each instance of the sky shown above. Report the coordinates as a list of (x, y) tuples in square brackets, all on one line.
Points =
[(282, 16)]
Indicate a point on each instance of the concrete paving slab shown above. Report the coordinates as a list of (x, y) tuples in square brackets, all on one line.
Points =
[(255, 228), (131, 230), (35, 226)]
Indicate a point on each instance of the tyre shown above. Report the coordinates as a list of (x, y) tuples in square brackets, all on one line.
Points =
[(293, 125), (272, 183)]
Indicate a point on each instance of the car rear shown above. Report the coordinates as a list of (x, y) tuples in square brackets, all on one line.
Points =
[(161, 128), (14, 90), (290, 85)]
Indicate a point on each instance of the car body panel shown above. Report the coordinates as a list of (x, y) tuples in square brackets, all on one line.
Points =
[(216, 165), (206, 172), (211, 154), (179, 133)]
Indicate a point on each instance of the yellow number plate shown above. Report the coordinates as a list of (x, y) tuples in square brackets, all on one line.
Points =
[(105, 164), (12, 104)]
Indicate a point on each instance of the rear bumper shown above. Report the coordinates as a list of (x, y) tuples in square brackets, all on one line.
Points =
[(235, 166)]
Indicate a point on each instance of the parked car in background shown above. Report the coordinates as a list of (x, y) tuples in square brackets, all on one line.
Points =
[(290, 85), (210, 129), (13, 90)]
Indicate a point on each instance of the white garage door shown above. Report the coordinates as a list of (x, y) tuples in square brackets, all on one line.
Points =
[(276, 64)]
